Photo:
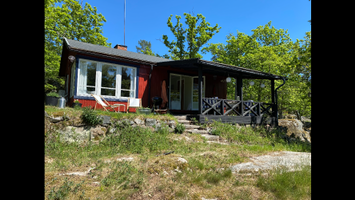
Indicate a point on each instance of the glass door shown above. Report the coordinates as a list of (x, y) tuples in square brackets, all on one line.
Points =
[(195, 92), (175, 92)]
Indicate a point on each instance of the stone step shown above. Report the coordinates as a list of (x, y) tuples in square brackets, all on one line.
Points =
[(180, 117), (183, 121), (187, 126), (197, 131), (211, 137)]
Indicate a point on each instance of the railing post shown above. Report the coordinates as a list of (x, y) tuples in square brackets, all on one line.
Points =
[(222, 107), (258, 109), (200, 106), (242, 107)]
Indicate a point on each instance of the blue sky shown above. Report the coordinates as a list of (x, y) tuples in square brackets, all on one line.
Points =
[(147, 20)]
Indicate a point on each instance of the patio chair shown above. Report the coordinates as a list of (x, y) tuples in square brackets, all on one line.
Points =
[(246, 109), (106, 105), (134, 103)]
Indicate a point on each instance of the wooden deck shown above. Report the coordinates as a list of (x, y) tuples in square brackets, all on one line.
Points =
[(233, 119), (232, 111)]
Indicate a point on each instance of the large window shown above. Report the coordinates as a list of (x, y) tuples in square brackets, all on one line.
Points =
[(106, 79)]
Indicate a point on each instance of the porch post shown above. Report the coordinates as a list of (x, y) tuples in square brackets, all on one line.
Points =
[(239, 92), (238, 88), (274, 107), (200, 106)]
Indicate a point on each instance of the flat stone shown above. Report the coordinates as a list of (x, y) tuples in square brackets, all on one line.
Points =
[(210, 137), (78, 173), (180, 117), (290, 160), (125, 159), (182, 160), (208, 199), (197, 131), (191, 126), (183, 121)]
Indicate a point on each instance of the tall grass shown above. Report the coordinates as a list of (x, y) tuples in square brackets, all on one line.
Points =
[(258, 136), (288, 185)]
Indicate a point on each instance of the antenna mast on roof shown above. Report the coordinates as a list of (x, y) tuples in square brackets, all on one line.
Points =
[(124, 24)]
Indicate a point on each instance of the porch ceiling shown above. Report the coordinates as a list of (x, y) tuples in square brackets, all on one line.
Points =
[(218, 69)]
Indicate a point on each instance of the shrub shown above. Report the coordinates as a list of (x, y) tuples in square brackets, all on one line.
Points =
[(90, 117), (53, 94), (179, 128)]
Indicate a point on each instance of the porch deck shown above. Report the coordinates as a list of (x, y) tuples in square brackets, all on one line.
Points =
[(234, 111)]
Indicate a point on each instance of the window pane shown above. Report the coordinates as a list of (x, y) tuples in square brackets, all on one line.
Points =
[(108, 76), (127, 78), (124, 93), (90, 90), (91, 73), (108, 92)]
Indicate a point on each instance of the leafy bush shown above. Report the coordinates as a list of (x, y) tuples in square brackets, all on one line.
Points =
[(90, 117), (53, 94), (179, 128)]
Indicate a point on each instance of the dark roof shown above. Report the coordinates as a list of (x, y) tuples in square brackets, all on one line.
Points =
[(188, 64), (87, 47), (219, 68)]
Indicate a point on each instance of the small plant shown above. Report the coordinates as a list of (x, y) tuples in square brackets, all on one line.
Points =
[(90, 117), (53, 94), (76, 101), (65, 190), (179, 128)]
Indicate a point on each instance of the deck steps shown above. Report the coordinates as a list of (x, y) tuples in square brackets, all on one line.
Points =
[(184, 121), (190, 127)]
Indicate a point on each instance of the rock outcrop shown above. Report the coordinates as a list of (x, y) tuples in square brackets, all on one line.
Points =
[(73, 129), (294, 129)]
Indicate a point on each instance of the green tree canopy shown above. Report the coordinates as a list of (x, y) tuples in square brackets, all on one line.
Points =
[(269, 50), (146, 48), (67, 18), (193, 37)]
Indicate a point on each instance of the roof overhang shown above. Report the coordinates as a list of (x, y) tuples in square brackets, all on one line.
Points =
[(218, 69)]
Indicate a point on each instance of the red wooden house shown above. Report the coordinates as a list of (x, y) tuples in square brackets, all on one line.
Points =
[(194, 87)]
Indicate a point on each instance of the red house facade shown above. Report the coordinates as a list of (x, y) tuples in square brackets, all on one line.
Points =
[(193, 86)]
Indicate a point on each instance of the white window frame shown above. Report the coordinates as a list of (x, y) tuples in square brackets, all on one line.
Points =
[(98, 79)]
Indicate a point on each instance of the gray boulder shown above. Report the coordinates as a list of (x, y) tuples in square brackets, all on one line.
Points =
[(150, 122), (72, 134), (106, 120), (294, 129), (138, 121)]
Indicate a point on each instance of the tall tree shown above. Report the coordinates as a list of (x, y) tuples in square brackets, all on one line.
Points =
[(269, 50), (145, 46), (67, 18), (193, 37)]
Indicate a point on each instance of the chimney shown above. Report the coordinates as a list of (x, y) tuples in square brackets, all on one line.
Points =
[(120, 46)]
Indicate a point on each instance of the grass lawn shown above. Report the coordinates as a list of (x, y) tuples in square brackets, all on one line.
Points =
[(152, 175)]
